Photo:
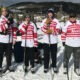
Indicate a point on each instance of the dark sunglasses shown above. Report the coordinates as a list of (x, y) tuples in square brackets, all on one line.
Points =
[(72, 17)]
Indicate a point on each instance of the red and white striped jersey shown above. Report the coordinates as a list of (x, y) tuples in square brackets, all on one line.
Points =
[(55, 26), (29, 34), (71, 34), (10, 29)]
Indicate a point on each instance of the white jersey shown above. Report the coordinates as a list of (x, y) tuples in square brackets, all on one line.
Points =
[(71, 34), (55, 26), (29, 34), (10, 29)]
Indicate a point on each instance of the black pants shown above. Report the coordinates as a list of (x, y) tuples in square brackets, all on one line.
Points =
[(7, 48), (76, 54), (52, 49), (29, 56)]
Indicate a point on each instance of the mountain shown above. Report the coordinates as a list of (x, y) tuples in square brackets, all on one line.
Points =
[(11, 2)]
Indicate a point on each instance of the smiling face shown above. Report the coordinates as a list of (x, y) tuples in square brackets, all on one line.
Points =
[(50, 15), (27, 19), (73, 19), (4, 13)]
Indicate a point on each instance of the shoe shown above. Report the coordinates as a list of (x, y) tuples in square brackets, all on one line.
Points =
[(36, 60), (0, 70), (77, 71), (55, 70), (42, 58), (45, 70), (11, 69), (26, 70), (65, 71), (32, 70), (4, 71)]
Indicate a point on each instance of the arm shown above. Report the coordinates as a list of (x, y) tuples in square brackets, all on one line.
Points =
[(35, 36), (3, 25), (22, 28), (63, 34), (44, 26), (58, 27), (14, 29)]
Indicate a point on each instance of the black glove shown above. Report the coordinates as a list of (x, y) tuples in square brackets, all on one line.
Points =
[(63, 43), (10, 21), (4, 32)]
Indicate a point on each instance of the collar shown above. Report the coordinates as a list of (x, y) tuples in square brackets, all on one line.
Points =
[(73, 22)]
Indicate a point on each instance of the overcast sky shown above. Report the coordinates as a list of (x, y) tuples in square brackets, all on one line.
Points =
[(10, 2)]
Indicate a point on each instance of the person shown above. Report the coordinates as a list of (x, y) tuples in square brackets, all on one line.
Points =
[(50, 28), (71, 37), (29, 41), (7, 39)]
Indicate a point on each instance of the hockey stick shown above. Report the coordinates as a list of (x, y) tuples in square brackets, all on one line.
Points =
[(67, 69), (52, 75), (71, 73), (1, 74), (25, 47)]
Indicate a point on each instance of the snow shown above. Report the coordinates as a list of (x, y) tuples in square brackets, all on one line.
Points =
[(40, 75), (38, 24)]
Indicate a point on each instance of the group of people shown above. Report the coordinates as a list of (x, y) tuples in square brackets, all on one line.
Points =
[(51, 27)]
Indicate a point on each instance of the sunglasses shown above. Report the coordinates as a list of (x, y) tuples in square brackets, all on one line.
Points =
[(72, 17)]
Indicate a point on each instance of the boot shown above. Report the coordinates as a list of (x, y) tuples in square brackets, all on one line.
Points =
[(45, 70), (55, 70), (65, 71), (11, 69), (77, 71), (32, 70)]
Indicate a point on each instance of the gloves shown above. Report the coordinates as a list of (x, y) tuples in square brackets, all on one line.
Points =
[(5, 32), (10, 21), (47, 21), (35, 46), (49, 31), (63, 43)]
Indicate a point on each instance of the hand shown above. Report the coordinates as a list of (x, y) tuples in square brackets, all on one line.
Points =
[(47, 21), (63, 43), (49, 31), (5, 32), (35, 46), (14, 42), (10, 21)]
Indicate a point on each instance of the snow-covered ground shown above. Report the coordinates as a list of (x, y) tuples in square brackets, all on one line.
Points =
[(40, 75)]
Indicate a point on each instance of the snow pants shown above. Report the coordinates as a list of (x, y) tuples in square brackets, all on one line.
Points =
[(76, 55)]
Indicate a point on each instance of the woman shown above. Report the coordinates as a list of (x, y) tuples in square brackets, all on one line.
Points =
[(29, 41), (51, 28)]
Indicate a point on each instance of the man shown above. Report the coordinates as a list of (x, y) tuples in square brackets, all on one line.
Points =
[(71, 37), (7, 39), (51, 28), (29, 41)]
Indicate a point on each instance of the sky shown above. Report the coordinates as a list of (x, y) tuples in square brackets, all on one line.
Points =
[(10, 2)]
